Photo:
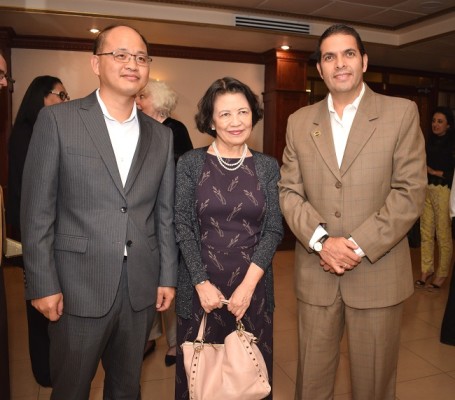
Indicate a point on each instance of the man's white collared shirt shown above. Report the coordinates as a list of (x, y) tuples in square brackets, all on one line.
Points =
[(124, 138), (342, 126)]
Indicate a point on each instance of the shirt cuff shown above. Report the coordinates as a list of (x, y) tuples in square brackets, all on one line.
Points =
[(357, 251), (318, 233)]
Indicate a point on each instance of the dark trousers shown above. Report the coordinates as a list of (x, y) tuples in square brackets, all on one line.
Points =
[(38, 343), (4, 359), (448, 322), (117, 339)]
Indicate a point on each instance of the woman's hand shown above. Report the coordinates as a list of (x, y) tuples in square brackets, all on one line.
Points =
[(241, 298), (209, 296)]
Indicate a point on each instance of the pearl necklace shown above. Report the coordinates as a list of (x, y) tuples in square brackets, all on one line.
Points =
[(226, 165)]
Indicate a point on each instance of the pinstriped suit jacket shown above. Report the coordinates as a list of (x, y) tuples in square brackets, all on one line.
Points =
[(375, 196), (77, 217)]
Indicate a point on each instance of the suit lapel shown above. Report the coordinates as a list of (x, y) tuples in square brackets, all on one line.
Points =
[(145, 139), (93, 118), (321, 135), (361, 130)]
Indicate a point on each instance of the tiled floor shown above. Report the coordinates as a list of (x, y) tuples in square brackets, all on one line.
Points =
[(426, 367)]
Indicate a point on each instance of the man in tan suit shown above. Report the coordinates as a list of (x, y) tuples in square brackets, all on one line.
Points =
[(352, 185)]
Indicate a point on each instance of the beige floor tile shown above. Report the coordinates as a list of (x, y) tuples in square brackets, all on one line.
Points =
[(154, 368), (437, 354), (285, 346), (289, 368), (437, 387), (43, 391), (434, 317), (411, 366), (96, 393), (22, 381), (342, 379), (413, 328), (283, 386), (158, 389), (98, 380), (424, 301)]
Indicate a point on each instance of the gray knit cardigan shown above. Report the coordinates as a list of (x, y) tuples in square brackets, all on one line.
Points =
[(191, 271)]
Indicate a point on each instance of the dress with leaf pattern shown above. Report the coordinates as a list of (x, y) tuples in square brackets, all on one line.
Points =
[(230, 207)]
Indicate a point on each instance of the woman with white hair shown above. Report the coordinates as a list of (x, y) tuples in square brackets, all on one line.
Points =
[(158, 101)]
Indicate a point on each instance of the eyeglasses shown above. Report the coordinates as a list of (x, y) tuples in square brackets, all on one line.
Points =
[(124, 57), (8, 79), (63, 95)]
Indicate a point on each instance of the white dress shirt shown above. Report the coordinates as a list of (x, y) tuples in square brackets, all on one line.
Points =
[(124, 137)]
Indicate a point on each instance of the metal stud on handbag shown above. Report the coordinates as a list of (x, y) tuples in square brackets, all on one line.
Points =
[(233, 370)]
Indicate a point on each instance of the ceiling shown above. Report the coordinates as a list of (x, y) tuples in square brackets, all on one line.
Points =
[(411, 34)]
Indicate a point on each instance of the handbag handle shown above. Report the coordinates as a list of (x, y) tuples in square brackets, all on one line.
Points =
[(201, 332)]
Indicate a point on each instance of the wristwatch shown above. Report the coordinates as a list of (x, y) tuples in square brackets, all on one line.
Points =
[(318, 245)]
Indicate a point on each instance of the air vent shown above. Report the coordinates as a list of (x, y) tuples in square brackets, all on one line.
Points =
[(272, 24)]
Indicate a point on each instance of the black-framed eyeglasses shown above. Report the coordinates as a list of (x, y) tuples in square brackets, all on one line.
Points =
[(63, 95), (10, 81), (8, 78), (124, 57)]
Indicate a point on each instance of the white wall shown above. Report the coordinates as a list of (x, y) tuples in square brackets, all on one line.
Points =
[(189, 78)]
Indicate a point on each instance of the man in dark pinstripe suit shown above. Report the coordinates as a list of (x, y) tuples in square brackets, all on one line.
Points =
[(97, 222)]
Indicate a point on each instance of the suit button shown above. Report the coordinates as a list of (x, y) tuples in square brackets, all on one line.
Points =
[(338, 214), (338, 185), (124, 210), (129, 243)]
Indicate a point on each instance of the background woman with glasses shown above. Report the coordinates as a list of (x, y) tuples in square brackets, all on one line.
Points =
[(43, 91)]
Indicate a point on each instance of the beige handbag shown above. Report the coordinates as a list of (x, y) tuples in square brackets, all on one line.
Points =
[(234, 370)]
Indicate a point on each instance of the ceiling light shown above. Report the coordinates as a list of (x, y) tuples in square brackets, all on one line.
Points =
[(285, 47), (430, 4), (94, 30)]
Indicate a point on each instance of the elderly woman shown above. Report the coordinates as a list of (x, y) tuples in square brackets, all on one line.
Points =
[(228, 225), (158, 100)]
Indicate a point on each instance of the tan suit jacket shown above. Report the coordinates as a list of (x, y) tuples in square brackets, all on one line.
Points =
[(375, 197)]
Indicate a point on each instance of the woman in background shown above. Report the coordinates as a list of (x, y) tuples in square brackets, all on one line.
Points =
[(228, 225), (158, 100), (43, 91), (435, 218)]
